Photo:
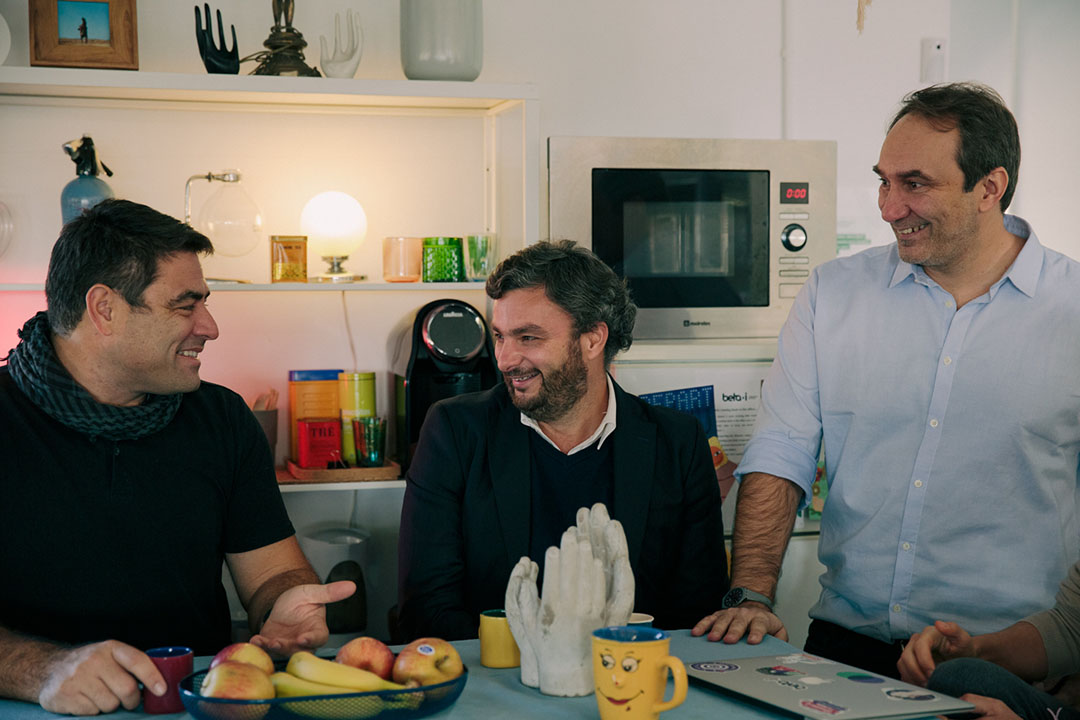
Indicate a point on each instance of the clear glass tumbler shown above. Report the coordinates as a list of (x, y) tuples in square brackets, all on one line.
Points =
[(481, 256), (369, 433)]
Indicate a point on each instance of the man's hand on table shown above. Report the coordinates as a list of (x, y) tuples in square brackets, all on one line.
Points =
[(751, 619), (935, 644), (97, 678), (298, 619)]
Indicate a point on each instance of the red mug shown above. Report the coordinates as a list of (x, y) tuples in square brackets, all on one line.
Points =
[(174, 663)]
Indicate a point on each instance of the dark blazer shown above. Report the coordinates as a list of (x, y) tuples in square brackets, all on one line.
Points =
[(465, 517)]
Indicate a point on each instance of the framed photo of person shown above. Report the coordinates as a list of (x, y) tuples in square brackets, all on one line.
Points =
[(84, 34)]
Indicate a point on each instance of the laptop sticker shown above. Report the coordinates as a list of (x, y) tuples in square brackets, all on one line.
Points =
[(908, 694), (714, 666), (861, 677), (805, 659), (823, 706), (779, 670)]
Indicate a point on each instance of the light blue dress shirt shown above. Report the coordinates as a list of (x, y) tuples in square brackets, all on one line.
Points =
[(951, 438)]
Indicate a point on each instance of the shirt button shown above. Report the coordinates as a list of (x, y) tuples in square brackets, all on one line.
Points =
[(896, 608), (918, 483), (948, 360), (906, 546), (948, 303), (933, 423)]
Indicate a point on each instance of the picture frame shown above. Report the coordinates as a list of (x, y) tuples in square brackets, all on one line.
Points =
[(84, 34)]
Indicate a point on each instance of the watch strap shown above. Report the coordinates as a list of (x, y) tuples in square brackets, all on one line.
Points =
[(738, 595)]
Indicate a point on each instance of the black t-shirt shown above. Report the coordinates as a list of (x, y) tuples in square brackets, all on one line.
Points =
[(124, 540)]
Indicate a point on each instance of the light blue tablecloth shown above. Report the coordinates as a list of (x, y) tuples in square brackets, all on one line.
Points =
[(500, 694)]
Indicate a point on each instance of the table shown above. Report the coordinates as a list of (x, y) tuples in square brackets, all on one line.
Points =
[(499, 693)]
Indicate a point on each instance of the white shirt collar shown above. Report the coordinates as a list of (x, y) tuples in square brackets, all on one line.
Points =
[(606, 427)]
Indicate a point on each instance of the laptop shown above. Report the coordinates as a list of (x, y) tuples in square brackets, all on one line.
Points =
[(814, 687)]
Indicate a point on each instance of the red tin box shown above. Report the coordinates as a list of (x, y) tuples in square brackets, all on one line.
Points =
[(319, 442)]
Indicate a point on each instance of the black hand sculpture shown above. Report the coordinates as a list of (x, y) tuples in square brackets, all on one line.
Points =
[(216, 59)]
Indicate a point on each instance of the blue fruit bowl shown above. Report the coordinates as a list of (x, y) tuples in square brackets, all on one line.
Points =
[(386, 704)]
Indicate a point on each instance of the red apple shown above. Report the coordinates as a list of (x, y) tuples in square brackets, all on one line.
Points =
[(245, 653), (428, 661), (238, 681), (367, 653)]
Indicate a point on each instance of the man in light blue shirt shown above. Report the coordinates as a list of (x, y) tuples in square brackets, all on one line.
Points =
[(941, 374)]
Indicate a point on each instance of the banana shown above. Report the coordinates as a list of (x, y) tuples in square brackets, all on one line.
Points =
[(307, 666), (289, 686)]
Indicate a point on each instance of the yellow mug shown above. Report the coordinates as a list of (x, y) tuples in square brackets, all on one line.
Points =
[(630, 665), (497, 646)]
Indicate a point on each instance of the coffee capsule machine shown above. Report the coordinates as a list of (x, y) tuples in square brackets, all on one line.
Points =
[(445, 351)]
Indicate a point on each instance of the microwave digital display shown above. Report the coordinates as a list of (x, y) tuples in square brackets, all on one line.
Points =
[(706, 230), (794, 193)]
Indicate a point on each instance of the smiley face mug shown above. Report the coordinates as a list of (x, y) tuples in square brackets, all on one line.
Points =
[(630, 666)]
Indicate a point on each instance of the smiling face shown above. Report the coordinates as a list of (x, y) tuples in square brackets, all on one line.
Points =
[(922, 196), (156, 348), (620, 680), (539, 354)]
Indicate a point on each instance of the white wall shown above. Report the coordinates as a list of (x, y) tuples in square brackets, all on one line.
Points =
[(1029, 51), (722, 68)]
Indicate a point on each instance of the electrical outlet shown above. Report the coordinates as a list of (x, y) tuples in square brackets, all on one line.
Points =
[(932, 60)]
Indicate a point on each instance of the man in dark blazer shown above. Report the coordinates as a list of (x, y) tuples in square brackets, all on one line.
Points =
[(500, 474)]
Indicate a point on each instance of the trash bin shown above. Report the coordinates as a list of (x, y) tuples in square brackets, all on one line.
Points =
[(340, 553)]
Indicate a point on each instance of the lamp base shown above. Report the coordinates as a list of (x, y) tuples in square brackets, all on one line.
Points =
[(337, 278), (336, 273)]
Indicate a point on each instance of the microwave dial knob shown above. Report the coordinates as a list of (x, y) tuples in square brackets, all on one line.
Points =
[(794, 237)]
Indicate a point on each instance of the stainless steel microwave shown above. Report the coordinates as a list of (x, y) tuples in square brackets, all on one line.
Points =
[(714, 237)]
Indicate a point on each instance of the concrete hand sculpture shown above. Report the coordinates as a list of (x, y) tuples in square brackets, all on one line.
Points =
[(588, 584), (346, 56)]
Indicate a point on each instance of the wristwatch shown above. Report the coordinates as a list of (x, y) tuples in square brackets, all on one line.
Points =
[(738, 595)]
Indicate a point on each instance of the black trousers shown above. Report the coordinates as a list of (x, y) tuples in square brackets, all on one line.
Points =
[(831, 641)]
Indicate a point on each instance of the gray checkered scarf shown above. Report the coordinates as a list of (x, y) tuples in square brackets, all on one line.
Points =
[(39, 374)]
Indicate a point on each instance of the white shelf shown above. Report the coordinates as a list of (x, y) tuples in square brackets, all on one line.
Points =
[(341, 287), (340, 486), (298, 287), (66, 83), (698, 351)]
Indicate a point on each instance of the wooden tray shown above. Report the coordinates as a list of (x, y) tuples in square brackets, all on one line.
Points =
[(296, 474)]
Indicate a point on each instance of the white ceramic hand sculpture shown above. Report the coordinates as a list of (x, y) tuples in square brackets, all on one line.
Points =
[(587, 585), (346, 56)]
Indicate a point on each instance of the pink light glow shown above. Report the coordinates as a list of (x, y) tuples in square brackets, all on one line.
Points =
[(16, 307)]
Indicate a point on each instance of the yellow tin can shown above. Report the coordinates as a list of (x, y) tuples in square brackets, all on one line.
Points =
[(356, 393), (288, 258)]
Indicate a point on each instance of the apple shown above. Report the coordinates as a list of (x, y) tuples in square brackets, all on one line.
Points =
[(245, 653), (369, 654), (428, 661), (238, 681)]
